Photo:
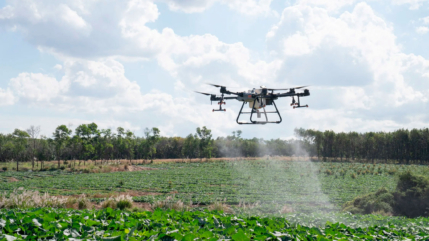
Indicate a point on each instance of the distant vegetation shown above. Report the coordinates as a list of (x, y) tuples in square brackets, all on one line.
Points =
[(411, 198), (271, 185), (88, 142)]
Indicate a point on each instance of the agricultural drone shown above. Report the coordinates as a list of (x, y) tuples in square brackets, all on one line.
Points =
[(258, 99)]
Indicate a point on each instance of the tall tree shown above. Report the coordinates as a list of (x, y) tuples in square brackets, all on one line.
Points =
[(148, 145), (33, 132), (61, 137), (21, 138), (190, 147), (205, 143)]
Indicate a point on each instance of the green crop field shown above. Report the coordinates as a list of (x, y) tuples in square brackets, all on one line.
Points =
[(312, 193), (108, 224), (301, 185)]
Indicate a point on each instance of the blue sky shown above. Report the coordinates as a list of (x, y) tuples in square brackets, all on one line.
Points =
[(135, 63)]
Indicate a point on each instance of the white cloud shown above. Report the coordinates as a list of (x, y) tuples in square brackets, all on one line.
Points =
[(36, 87), (247, 7), (190, 6), (124, 35), (100, 88), (358, 71), (251, 7), (422, 30), (330, 5), (360, 77), (425, 20), (137, 14), (6, 12), (6, 97), (414, 4)]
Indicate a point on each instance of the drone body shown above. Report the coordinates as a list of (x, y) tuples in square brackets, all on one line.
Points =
[(258, 99)]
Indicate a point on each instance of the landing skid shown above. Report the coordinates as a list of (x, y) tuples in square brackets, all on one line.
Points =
[(255, 111)]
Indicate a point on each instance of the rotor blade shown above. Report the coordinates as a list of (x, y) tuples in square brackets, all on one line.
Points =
[(216, 85), (298, 87), (203, 93)]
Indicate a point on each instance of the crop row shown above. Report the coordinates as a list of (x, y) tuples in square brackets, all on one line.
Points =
[(297, 184)]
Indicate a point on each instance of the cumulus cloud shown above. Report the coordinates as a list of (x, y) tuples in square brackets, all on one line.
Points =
[(126, 35), (248, 7), (358, 70), (425, 20), (100, 88), (6, 97), (414, 4), (36, 87), (422, 30), (330, 5), (360, 77), (367, 39)]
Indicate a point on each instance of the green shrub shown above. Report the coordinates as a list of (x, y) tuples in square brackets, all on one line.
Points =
[(412, 195), (392, 171), (170, 203), (380, 201), (122, 204), (328, 172), (83, 202), (109, 204), (410, 199)]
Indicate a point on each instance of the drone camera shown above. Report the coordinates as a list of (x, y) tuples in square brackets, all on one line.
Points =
[(268, 101), (306, 92)]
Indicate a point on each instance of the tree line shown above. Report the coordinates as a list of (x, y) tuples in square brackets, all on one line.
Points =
[(88, 142), (401, 146)]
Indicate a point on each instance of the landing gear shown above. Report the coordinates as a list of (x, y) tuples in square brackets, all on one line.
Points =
[(220, 105), (297, 105), (254, 110)]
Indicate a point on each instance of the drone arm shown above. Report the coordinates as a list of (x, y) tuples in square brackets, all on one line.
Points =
[(290, 94), (287, 94)]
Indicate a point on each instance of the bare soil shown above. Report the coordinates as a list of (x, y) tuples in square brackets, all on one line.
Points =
[(12, 179)]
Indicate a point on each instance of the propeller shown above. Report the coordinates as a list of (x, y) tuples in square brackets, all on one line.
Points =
[(300, 87), (202, 93), (216, 85), (293, 88)]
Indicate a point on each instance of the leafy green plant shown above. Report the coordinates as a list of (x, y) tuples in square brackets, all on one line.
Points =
[(109, 224)]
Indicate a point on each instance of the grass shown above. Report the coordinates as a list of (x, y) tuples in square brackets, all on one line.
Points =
[(31, 199)]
